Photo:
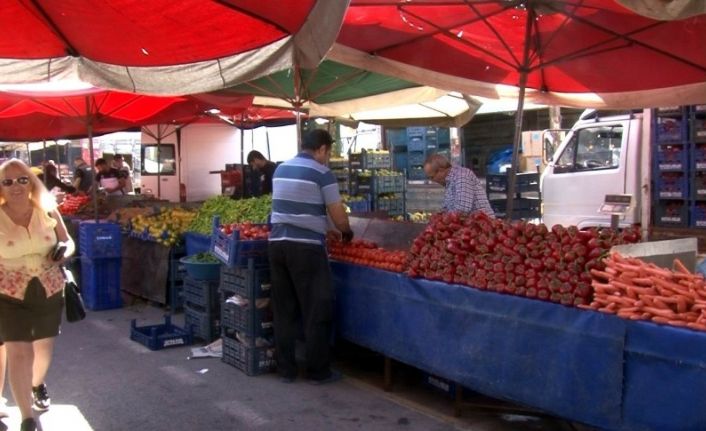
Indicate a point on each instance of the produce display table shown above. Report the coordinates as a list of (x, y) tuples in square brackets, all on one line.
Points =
[(585, 366), (145, 268)]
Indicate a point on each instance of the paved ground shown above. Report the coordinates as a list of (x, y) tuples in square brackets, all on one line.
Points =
[(103, 381)]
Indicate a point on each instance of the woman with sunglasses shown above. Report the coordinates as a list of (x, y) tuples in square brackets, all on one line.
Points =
[(31, 284)]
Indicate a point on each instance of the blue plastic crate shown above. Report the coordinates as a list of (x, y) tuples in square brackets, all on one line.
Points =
[(252, 321), (251, 360), (416, 143), (698, 215), (671, 157), (388, 184), (670, 128), (203, 293), (671, 213), (416, 158), (157, 337), (672, 185), (196, 243), (202, 323), (99, 239), (698, 123), (378, 160), (698, 157), (175, 280), (250, 281), (230, 250), (698, 185), (100, 283), (359, 206)]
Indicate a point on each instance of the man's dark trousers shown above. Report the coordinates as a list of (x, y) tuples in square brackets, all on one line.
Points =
[(302, 294)]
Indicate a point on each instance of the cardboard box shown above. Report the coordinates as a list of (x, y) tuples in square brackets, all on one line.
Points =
[(530, 163), (532, 143)]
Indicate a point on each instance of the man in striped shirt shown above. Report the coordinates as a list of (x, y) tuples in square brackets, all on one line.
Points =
[(305, 197), (464, 191)]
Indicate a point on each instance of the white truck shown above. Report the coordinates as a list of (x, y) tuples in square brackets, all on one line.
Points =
[(599, 156)]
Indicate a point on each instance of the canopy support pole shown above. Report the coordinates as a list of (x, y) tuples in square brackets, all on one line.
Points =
[(159, 161), (242, 154), (519, 117), (267, 140), (94, 187)]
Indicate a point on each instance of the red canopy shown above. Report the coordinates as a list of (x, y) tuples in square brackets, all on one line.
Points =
[(578, 52), (163, 46), (26, 117)]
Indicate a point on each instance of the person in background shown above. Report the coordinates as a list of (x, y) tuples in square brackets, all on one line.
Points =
[(266, 168), (111, 180), (84, 176), (121, 166), (31, 299), (464, 192), (51, 179), (304, 193)]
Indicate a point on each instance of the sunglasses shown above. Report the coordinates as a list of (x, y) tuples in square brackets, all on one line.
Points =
[(7, 182)]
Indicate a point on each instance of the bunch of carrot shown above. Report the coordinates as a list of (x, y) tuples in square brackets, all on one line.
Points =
[(636, 290)]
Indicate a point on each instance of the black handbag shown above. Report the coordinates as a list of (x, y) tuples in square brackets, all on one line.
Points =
[(75, 310)]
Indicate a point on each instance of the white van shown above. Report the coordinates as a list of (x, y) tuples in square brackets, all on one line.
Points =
[(599, 156)]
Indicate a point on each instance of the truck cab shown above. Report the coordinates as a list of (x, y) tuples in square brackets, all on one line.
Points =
[(599, 156)]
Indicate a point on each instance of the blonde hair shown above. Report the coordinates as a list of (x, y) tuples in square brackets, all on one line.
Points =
[(38, 195)]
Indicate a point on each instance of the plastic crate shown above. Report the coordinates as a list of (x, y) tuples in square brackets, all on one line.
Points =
[(670, 128), (416, 174), (672, 185), (196, 243), (202, 323), (671, 157), (230, 250), (203, 293), (522, 208), (175, 281), (253, 321), (671, 214), (251, 360), (99, 239), (250, 282), (698, 157), (377, 160), (524, 182), (157, 337), (359, 206), (355, 160), (416, 158), (337, 164), (416, 132), (100, 283), (388, 184), (698, 123), (698, 215), (393, 206), (416, 143)]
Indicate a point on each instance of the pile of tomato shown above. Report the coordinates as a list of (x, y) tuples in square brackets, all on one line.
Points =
[(248, 231), (71, 204), (516, 258), (367, 253)]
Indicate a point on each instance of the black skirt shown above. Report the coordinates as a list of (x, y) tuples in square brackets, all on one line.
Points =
[(34, 318)]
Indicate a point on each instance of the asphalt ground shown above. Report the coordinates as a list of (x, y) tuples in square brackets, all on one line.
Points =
[(101, 380)]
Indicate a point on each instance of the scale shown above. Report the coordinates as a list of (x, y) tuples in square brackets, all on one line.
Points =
[(617, 206)]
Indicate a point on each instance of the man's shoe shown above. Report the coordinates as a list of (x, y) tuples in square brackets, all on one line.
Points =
[(28, 425), (333, 377), (40, 398)]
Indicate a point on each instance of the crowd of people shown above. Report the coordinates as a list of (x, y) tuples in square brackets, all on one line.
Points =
[(111, 178)]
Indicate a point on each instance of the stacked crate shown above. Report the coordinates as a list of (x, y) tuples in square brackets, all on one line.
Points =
[(527, 202), (412, 145), (175, 279), (201, 308), (100, 245), (670, 171), (698, 165), (372, 177), (246, 313)]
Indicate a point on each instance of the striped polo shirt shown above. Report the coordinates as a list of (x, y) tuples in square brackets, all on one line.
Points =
[(301, 189)]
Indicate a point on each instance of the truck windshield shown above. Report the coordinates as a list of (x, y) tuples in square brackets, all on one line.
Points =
[(592, 148)]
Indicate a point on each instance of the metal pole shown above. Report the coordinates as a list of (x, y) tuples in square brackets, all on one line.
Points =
[(242, 154), (94, 187), (159, 161), (267, 139), (512, 176)]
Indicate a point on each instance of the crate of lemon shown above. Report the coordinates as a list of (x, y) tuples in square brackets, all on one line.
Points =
[(165, 227)]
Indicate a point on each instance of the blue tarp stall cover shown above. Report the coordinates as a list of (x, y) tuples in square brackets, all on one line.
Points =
[(665, 378), (562, 360)]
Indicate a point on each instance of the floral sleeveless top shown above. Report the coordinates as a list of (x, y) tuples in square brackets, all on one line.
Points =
[(23, 255)]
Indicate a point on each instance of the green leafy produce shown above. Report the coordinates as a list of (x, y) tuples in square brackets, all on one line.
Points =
[(254, 210), (204, 257)]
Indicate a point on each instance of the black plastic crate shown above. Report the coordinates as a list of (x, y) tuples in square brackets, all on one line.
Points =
[(671, 213), (251, 360), (251, 281), (698, 185), (203, 293), (524, 182), (203, 324), (522, 208), (252, 321)]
